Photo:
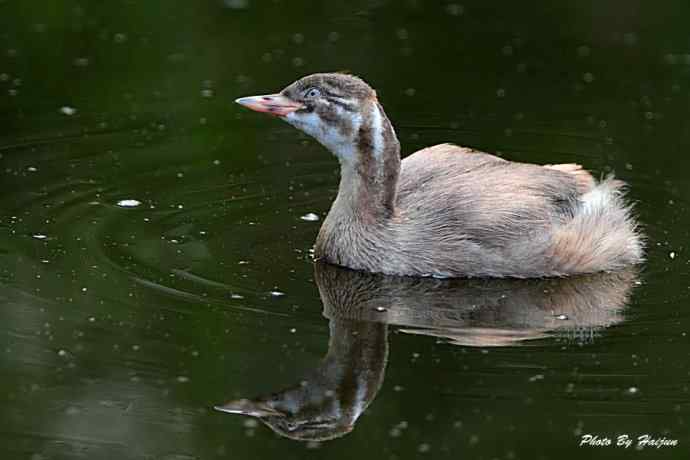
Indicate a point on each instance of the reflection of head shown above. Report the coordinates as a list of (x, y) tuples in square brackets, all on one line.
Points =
[(328, 400), (306, 425)]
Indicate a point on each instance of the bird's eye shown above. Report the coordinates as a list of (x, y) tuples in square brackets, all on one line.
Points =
[(312, 93)]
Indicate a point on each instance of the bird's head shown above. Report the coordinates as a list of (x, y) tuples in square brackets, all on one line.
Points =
[(338, 110)]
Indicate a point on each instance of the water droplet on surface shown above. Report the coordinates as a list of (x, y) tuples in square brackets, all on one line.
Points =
[(310, 217), (128, 203), (423, 448), (454, 9), (67, 110), (250, 423)]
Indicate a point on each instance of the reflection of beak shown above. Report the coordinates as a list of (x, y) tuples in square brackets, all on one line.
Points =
[(248, 407), (275, 104)]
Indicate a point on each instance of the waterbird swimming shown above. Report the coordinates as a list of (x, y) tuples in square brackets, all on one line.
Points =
[(450, 211)]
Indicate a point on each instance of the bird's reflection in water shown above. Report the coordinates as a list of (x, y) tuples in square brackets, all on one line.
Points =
[(326, 402)]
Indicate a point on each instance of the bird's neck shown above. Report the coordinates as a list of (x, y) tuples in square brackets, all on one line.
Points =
[(369, 177)]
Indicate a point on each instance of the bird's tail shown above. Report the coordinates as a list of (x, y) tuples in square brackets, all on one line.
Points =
[(602, 236)]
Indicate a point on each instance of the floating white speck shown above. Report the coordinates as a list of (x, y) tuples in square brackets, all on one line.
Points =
[(534, 378), (310, 217), (32, 169), (236, 296), (128, 203), (293, 330), (183, 379), (632, 390), (39, 236), (276, 294), (250, 423), (67, 110), (423, 448), (672, 255), (562, 317), (380, 309)]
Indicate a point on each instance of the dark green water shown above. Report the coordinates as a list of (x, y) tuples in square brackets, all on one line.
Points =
[(122, 327)]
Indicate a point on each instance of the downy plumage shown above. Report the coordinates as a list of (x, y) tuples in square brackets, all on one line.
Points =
[(449, 211)]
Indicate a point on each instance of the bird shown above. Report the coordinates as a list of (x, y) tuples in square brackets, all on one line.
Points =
[(449, 211)]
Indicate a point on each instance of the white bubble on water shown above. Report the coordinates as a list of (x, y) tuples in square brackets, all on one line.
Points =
[(310, 217), (67, 110), (129, 203)]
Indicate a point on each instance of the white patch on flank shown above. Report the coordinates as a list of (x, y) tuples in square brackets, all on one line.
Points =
[(376, 131), (596, 199)]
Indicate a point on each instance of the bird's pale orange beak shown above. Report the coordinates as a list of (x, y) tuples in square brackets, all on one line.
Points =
[(274, 104)]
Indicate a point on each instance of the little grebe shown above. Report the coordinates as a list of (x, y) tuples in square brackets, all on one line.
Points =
[(449, 211)]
